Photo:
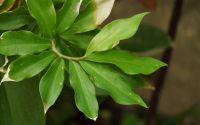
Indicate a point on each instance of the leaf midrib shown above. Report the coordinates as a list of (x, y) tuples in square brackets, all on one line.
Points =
[(82, 85), (55, 76), (38, 62), (111, 82)]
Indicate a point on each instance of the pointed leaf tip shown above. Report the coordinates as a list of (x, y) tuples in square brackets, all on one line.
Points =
[(94, 119), (104, 77), (51, 83), (112, 33), (46, 108), (84, 90), (127, 62)]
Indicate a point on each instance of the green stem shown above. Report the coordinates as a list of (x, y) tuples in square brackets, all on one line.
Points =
[(53, 43)]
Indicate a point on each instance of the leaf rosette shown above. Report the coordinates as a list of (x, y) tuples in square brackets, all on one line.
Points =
[(55, 41)]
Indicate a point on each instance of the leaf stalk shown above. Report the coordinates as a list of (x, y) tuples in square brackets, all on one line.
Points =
[(53, 43)]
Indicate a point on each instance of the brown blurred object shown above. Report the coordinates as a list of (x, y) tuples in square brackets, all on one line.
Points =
[(149, 4), (9, 6), (1, 2)]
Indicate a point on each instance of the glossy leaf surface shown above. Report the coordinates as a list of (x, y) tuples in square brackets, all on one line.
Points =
[(67, 14), (127, 62), (22, 43), (44, 13), (109, 80), (85, 96), (29, 66), (51, 83), (113, 32), (14, 19)]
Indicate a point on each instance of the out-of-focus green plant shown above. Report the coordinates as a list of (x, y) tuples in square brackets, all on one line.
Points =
[(147, 38), (54, 39), (192, 114)]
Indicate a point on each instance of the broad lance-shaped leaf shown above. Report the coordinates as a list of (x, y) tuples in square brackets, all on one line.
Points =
[(109, 80), (51, 83), (127, 62), (44, 13), (14, 19), (113, 32), (28, 66), (22, 43), (94, 14), (67, 14), (21, 104), (85, 96)]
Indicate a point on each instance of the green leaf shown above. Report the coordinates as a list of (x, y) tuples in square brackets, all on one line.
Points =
[(81, 40), (94, 14), (109, 80), (147, 38), (135, 82), (44, 13), (7, 5), (21, 104), (22, 43), (14, 19), (67, 14), (85, 97), (51, 83), (113, 32), (127, 62), (28, 66)]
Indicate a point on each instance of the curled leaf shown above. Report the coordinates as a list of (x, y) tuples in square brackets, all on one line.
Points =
[(94, 14)]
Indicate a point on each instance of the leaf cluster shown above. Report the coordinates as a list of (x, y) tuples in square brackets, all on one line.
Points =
[(57, 39)]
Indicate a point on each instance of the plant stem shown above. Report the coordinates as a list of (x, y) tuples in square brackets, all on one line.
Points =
[(53, 43), (176, 14)]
